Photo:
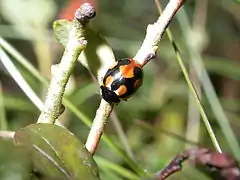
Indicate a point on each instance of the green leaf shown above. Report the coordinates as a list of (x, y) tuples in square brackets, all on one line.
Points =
[(56, 153), (97, 56), (14, 163), (61, 29)]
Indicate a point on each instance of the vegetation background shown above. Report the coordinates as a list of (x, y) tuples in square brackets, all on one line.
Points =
[(161, 119)]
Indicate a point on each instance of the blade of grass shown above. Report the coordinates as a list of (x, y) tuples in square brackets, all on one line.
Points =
[(3, 120), (16, 75), (193, 91), (108, 174), (121, 134), (118, 169), (18, 103), (207, 85), (22, 60), (195, 95), (193, 122)]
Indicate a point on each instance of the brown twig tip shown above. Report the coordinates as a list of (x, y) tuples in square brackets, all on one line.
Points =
[(225, 165), (85, 13), (174, 166)]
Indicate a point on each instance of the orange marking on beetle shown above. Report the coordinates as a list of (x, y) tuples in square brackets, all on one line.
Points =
[(109, 80), (135, 63), (121, 90), (137, 84), (128, 70)]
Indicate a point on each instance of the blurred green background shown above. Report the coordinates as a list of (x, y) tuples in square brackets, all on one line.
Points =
[(161, 119)]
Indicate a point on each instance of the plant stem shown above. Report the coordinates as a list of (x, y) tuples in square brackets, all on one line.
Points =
[(76, 43), (98, 125)]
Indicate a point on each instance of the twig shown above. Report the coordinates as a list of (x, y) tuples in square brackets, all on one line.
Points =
[(7, 134), (97, 128), (145, 54), (214, 161), (174, 166), (155, 32), (76, 43)]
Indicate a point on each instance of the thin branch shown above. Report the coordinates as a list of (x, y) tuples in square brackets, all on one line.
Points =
[(98, 125), (147, 52), (214, 161), (7, 134), (155, 32), (174, 166), (76, 43)]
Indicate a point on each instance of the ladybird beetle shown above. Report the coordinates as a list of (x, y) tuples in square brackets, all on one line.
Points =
[(121, 81)]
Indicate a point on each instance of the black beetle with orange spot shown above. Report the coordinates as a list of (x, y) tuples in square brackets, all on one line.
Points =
[(122, 80)]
